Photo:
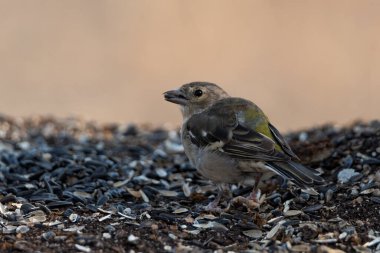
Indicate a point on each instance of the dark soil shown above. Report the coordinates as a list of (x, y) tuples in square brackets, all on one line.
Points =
[(75, 186)]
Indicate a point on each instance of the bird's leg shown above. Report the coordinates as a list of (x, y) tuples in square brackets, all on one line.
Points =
[(213, 205), (256, 192)]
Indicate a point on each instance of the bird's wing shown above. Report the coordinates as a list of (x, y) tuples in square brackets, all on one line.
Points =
[(282, 142), (238, 128)]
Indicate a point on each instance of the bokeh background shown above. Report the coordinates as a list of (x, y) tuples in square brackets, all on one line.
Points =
[(303, 62)]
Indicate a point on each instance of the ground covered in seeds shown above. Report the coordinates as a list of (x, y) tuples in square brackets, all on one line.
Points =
[(75, 186)]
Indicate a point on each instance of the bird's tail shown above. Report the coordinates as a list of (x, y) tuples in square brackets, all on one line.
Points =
[(300, 175)]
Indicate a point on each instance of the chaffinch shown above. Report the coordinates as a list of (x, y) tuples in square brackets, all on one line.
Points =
[(230, 140)]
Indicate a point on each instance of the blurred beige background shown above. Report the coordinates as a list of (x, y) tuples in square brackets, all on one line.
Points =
[(303, 62)]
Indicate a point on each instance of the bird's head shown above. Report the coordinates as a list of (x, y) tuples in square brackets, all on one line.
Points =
[(195, 97)]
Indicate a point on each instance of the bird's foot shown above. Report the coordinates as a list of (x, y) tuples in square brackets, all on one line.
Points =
[(253, 201), (249, 203), (213, 207)]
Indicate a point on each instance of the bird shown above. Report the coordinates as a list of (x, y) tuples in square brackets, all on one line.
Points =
[(230, 140)]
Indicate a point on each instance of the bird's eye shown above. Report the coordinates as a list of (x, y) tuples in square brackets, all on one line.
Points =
[(198, 93)]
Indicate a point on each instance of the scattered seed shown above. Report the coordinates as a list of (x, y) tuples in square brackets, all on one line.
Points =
[(82, 248), (253, 233)]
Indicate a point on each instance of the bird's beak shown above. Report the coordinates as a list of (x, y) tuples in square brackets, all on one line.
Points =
[(176, 96)]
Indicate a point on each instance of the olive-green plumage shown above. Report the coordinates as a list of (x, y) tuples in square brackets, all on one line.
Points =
[(231, 140)]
